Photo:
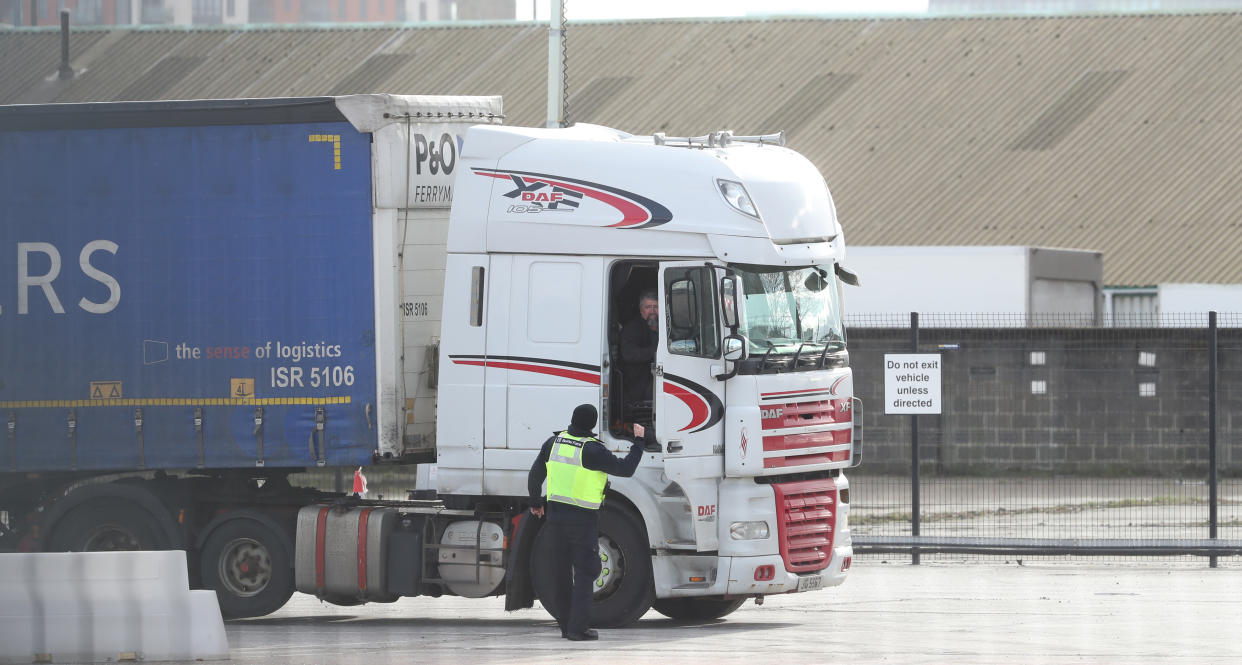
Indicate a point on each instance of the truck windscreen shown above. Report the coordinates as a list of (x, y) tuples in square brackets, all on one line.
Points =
[(791, 310)]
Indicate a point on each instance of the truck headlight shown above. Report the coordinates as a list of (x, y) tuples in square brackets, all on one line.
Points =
[(736, 196), (748, 530)]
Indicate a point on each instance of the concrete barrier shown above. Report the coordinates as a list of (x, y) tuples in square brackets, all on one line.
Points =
[(85, 607)]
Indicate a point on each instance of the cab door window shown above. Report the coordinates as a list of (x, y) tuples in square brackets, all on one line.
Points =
[(691, 318)]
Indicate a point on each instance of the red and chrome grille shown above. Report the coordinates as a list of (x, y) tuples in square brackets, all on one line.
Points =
[(806, 521), (824, 435)]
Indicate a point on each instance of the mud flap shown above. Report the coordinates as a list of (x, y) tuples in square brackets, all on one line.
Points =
[(519, 590)]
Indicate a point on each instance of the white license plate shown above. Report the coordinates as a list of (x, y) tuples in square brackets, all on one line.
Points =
[(810, 583)]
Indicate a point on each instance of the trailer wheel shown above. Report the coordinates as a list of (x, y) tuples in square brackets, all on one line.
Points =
[(623, 590), (247, 563), (696, 609), (109, 526)]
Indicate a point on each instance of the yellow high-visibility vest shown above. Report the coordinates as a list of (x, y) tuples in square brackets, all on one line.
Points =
[(568, 481)]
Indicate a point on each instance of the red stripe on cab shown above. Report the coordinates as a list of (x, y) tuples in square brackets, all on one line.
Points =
[(698, 408), (563, 372)]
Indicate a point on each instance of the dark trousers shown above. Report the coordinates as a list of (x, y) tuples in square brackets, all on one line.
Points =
[(575, 562)]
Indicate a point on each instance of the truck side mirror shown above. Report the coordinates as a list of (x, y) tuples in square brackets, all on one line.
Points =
[(816, 281), (734, 351), (728, 301), (848, 276)]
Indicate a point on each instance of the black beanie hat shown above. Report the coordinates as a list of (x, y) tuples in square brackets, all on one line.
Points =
[(584, 418)]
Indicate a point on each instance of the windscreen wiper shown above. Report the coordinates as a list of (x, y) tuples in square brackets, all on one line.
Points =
[(763, 364), (796, 354)]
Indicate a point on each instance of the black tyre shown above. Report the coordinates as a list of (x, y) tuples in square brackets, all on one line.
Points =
[(696, 609), (107, 526), (624, 590), (249, 566)]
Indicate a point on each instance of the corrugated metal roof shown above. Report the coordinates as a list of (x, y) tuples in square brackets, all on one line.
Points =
[(31, 61), (1115, 133)]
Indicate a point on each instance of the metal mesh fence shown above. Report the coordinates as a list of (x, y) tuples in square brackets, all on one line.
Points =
[(1056, 436)]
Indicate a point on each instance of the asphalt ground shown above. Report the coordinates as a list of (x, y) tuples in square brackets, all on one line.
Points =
[(1060, 613)]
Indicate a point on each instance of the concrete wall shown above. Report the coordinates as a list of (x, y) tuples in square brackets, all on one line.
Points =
[(1103, 401)]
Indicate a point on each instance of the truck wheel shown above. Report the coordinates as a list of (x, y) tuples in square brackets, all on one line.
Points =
[(623, 590), (248, 566), (696, 609), (111, 526)]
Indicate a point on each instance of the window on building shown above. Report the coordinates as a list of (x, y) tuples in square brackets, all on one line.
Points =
[(261, 11), (207, 12), (89, 12), (154, 11), (11, 12), (316, 11)]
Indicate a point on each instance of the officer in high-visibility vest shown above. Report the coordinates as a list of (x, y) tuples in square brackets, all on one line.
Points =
[(576, 466)]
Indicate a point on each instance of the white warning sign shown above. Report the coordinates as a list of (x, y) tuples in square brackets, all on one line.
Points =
[(911, 383)]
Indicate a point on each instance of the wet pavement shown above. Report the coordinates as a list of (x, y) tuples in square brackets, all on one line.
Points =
[(1061, 612)]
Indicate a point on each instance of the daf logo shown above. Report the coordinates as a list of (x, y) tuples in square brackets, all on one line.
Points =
[(771, 413)]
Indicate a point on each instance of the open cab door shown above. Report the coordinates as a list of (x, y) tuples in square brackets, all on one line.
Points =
[(689, 402), (689, 399)]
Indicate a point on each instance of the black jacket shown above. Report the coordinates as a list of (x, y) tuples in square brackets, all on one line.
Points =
[(595, 457), (638, 350)]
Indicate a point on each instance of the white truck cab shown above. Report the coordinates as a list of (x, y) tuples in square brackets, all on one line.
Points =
[(553, 234)]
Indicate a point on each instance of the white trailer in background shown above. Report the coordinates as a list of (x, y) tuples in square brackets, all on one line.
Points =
[(1171, 304), (1026, 285)]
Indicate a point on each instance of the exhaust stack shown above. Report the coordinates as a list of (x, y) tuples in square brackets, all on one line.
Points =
[(66, 71)]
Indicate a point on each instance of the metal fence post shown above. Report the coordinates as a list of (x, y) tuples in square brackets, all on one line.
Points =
[(1212, 516), (914, 450)]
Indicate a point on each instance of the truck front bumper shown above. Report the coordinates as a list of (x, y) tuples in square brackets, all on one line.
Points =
[(687, 575)]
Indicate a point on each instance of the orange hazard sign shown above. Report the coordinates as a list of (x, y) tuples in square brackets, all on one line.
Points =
[(241, 388), (105, 390)]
